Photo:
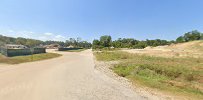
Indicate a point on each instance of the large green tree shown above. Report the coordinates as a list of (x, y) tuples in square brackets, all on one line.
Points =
[(96, 44), (193, 35), (180, 39), (190, 36), (105, 41)]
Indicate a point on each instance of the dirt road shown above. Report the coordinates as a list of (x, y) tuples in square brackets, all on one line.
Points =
[(70, 77)]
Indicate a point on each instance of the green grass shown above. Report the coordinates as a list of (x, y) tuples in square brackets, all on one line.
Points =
[(112, 55), (106, 49), (79, 50), (180, 75), (29, 58)]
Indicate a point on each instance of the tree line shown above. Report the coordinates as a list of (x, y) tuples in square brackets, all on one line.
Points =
[(35, 43), (20, 41), (190, 36), (79, 43), (106, 41)]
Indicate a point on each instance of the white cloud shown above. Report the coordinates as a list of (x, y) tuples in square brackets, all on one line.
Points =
[(52, 36), (49, 34), (10, 31), (59, 38)]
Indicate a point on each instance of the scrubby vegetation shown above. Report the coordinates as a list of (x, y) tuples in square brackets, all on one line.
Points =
[(190, 36), (180, 75), (30, 58), (106, 41)]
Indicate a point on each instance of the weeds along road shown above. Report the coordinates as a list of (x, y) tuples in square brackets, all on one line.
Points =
[(70, 77)]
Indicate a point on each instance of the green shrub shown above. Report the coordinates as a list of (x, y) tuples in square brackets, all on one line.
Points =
[(123, 70)]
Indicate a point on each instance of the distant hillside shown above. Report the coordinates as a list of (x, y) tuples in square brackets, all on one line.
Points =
[(33, 43), (23, 41)]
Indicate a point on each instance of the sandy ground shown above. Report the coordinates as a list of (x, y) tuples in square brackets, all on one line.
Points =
[(188, 49), (70, 77)]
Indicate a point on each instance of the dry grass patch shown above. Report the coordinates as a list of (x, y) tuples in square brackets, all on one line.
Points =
[(179, 75), (29, 58), (79, 50)]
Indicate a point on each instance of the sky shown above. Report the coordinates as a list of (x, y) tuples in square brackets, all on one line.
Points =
[(89, 19)]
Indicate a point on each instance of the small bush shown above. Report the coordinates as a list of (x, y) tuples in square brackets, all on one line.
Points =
[(190, 77), (123, 70)]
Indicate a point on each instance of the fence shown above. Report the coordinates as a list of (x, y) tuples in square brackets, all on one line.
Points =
[(66, 49), (39, 50), (21, 52)]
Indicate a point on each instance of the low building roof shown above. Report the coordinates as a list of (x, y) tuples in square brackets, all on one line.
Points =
[(13, 45)]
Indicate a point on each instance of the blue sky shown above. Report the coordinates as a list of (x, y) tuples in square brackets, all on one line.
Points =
[(89, 19)]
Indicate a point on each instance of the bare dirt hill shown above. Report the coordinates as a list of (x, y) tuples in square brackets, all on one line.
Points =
[(188, 46), (188, 49)]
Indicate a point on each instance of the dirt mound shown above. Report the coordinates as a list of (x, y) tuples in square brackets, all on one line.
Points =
[(188, 46), (188, 49)]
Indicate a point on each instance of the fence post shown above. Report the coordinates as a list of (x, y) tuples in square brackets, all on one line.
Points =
[(32, 51), (6, 51)]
